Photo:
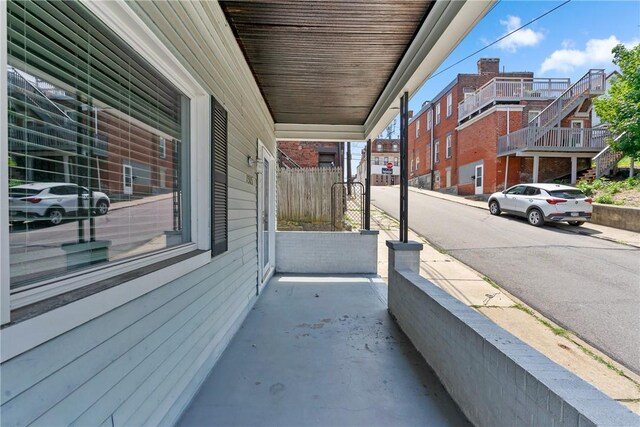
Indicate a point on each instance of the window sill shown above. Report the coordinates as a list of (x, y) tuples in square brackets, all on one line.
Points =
[(42, 321)]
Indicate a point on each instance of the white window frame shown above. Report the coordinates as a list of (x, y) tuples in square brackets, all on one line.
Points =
[(438, 113), (449, 104), (448, 146), (429, 119), (417, 163), (43, 327), (436, 151), (411, 165), (163, 147), (417, 127)]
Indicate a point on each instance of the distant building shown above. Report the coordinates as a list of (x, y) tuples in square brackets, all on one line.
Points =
[(310, 154), (489, 130), (383, 151)]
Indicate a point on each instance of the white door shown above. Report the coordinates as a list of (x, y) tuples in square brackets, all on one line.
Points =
[(576, 133), (478, 179), (127, 179), (266, 214)]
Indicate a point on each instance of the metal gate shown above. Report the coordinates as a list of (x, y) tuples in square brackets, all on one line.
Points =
[(347, 206)]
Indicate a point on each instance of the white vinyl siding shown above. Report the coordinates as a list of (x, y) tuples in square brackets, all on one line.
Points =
[(141, 363)]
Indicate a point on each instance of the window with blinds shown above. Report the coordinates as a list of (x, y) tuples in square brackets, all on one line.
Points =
[(98, 151)]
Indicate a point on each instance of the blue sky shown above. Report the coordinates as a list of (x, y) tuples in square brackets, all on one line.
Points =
[(565, 43)]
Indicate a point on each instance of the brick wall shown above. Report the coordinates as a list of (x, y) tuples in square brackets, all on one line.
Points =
[(307, 153)]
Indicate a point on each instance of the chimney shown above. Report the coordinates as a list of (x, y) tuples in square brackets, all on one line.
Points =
[(488, 66), (410, 114)]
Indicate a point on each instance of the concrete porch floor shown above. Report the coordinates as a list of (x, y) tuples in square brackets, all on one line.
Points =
[(321, 351)]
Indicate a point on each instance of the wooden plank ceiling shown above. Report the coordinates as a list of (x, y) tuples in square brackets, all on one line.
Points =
[(323, 61)]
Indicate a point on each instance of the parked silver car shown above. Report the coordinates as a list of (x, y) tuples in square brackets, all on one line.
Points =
[(541, 203), (52, 201)]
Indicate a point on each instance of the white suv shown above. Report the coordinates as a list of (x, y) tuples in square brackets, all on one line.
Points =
[(543, 202), (52, 201)]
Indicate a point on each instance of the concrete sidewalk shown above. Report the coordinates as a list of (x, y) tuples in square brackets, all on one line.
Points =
[(480, 293), (589, 229), (137, 202)]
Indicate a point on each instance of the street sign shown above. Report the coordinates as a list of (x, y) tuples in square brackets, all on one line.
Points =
[(387, 171), (389, 165)]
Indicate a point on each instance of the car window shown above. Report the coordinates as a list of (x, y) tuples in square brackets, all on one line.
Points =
[(531, 191), (22, 192), (568, 194), (59, 190), (519, 189)]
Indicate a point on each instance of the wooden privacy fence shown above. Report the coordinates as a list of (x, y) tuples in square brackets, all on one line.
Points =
[(304, 195)]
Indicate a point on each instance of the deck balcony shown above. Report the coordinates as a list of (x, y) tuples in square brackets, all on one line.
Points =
[(505, 89), (553, 139)]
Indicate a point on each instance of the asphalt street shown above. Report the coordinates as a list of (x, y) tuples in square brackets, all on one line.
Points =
[(127, 229), (587, 285)]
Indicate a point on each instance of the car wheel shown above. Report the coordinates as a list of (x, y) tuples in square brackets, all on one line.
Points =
[(55, 216), (576, 223), (494, 207), (535, 218), (102, 207)]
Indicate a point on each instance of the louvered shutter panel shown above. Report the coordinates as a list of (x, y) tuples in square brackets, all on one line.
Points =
[(219, 186)]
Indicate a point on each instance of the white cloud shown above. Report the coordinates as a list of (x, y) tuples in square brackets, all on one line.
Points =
[(597, 52), (524, 37)]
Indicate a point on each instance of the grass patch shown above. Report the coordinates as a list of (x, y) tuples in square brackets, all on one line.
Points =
[(555, 329), (567, 334), (602, 360), (491, 282)]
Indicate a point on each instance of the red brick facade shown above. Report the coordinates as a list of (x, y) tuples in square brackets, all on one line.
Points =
[(308, 154), (475, 141)]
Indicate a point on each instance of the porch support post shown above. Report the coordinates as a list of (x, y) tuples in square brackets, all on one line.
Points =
[(367, 194), (536, 167), (404, 173), (574, 169), (506, 173)]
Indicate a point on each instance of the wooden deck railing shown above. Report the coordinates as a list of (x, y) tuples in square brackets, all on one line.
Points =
[(505, 88), (534, 138)]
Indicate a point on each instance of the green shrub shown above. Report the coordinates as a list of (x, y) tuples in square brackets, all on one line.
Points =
[(605, 199)]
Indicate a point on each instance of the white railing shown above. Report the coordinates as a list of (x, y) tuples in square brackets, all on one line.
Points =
[(511, 88), (553, 139), (607, 158), (593, 82)]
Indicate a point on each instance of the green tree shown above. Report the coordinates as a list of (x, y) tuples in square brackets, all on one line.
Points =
[(621, 108)]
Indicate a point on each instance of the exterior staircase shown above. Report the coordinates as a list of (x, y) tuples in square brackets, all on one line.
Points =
[(592, 83), (543, 131), (605, 163)]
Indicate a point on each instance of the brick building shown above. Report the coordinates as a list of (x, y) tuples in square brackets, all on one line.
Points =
[(383, 151), (310, 154), (487, 130)]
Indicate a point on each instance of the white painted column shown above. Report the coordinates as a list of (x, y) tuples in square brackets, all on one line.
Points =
[(65, 167), (506, 173), (536, 167), (574, 169)]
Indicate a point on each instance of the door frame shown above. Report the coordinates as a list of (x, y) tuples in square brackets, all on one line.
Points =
[(266, 270), (127, 190), (577, 134), (475, 179)]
